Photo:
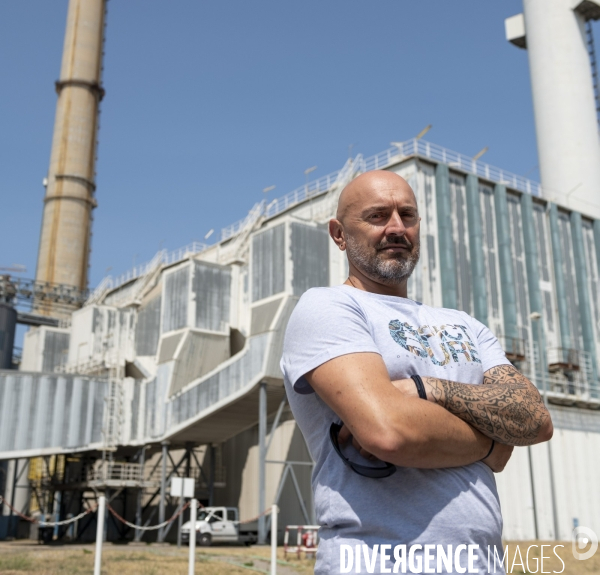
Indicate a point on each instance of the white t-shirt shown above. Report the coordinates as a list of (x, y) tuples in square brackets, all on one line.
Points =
[(453, 506)]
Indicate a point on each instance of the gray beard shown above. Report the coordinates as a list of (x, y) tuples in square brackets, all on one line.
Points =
[(389, 271)]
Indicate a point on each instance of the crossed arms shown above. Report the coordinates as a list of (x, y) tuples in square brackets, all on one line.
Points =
[(453, 428)]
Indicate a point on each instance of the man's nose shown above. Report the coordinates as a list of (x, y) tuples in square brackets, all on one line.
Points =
[(395, 225)]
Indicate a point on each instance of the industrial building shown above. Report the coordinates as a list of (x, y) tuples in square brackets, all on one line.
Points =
[(173, 368)]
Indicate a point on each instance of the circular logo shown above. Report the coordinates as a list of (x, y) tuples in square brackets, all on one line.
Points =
[(580, 539)]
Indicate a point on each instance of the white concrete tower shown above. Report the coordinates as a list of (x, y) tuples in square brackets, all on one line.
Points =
[(66, 224), (554, 33)]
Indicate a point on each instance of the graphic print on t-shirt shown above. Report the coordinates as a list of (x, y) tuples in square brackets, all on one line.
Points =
[(452, 339)]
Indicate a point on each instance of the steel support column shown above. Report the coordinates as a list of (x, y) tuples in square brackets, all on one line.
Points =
[(262, 456), (140, 496), (533, 498), (211, 484), (163, 488), (553, 492), (8, 325), (13, 492)]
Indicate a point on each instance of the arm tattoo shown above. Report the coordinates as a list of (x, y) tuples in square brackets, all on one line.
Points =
[(507, 407)]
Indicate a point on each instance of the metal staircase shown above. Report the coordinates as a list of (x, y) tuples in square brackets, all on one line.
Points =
[(235, 250)]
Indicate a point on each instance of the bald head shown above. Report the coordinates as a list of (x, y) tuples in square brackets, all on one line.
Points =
[(377, 224), (370, 186)]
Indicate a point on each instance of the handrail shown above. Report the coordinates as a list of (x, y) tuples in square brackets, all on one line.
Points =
[(162, 257), (414, 147), (461, 162)]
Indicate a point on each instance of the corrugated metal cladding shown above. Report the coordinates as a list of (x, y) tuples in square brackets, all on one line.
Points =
[(542, 234), (263, 316), (460, 235), (490, 257), (135, 408), (150, 408), (422, 284), (211, 288), (415, 282), (200, 354), (273, 367), (310, 257), (147, 329), (517, 252), (155, 404), (111, 328), (56, 411), (428, 211), (123, 293), (592, 269), (8, 321), (176, 297), (564, 226), (168, 347), (222, 384), (268, 262), (575, 419), (56, 350)]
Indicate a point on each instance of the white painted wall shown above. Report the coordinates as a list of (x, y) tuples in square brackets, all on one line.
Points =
[(564, 106)]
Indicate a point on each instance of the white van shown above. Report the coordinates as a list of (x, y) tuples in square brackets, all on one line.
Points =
[(220, 525)]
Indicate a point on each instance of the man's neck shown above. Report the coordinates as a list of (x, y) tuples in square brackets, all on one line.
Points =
[(362, 282)]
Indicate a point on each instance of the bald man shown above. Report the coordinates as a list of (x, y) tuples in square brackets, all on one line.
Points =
[(423, 402)]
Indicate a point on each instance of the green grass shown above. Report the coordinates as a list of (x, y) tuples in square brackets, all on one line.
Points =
[(14, 563)]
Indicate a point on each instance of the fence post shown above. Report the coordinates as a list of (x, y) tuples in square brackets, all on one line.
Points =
[(163, 490), (262, 455), (99, 533), (192, 559), (274, 510)]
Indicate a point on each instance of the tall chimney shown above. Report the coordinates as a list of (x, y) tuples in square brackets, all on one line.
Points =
[(63, 255), (555, 36)]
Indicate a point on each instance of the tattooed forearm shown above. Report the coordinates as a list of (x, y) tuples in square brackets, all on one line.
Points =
[(507, 407)]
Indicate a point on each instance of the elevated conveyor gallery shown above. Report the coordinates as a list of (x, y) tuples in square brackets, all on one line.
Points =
[(50, 413), (180, 350)]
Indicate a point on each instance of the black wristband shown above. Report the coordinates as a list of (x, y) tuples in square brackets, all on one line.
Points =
[(491, 449), (420, 386)]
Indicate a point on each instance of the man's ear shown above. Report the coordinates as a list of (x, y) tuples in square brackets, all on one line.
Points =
[(336, 231)]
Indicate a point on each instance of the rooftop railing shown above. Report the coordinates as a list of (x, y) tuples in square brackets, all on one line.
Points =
[(399, 152), (162, 257), (420, 148), (459, 161), (305, 192)]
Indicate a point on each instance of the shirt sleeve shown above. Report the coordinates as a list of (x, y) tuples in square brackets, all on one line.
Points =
[(490, 350), (326, 324)]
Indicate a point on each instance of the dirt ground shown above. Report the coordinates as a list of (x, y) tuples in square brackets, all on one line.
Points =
[(28, 558)]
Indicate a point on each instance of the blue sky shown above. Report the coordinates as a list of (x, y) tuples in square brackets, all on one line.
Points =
[(207, 103)]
